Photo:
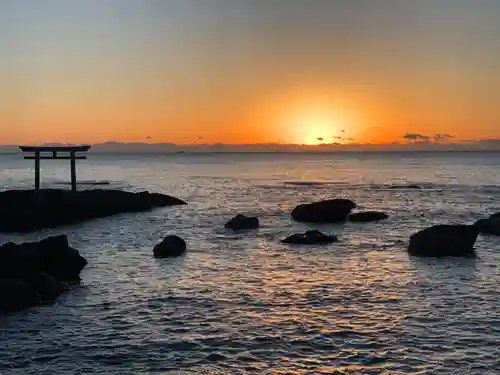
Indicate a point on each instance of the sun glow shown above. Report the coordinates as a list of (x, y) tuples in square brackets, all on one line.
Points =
[(313, 117), (320, 128)]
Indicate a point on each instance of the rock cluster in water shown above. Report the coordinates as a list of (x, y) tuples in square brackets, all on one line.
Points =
[(30, 210), (37, 273)]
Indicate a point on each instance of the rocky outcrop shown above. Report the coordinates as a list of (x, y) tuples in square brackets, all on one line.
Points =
[(489, 226), (311, 237), (367, 216), (242, 222), (37, 272), (327, 211), (444, 241), (171, 246), (28, 210)]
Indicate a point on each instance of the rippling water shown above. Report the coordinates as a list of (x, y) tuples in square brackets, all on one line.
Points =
[(247, 304)]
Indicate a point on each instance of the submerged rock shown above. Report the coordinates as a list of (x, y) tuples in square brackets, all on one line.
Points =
[(367, 216), (242, 222), (40, 271), (28, 210), (327, 211), (489, 226), (171, 246), (444, 241), (311, 237), (414, 187)]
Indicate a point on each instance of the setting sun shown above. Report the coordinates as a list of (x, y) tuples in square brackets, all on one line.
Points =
[(318, 132), (321, 126)]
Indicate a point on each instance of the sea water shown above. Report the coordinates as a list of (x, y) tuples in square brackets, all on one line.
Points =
[(243, 303)]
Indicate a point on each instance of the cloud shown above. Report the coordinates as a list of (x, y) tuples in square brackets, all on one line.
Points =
[(443, 137), (319, 138), (422, 138), (416, 137)]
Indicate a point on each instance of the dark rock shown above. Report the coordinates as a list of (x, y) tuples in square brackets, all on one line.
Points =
[(311, 237), (28, 210), (495, 216), (47, 287), (444, 241), (327, 211), (171, 246), (52, 255), (242, 222), (44, 268), (17, 294), (367, 216), (489, 226)]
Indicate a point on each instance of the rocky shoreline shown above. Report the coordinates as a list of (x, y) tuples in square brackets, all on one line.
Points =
[(29, 210)]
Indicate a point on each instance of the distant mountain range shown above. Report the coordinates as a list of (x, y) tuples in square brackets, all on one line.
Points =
[(116, 147)]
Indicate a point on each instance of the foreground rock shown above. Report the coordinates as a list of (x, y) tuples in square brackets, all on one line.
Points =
[(489, 226), (367, 216), (311, 237), (242, 222), (38, 272), (444, 241), (171, 246), (327, 211), (27, 210)]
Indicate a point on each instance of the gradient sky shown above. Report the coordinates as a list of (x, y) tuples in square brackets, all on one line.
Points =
[(247, 71)]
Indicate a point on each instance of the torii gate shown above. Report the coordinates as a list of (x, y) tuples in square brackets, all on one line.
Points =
[(69, 153)]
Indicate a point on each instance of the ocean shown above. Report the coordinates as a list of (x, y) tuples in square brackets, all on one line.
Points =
[(247, 304)]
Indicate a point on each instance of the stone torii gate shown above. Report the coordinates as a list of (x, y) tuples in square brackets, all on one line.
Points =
[(54, 153)]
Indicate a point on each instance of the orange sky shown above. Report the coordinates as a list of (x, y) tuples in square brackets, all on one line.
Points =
[(215, 71)]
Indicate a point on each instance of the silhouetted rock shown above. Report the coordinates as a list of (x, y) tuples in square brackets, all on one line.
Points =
[(367, 216), (311, 237), (47, 287), (171, 246), (444, 241), (41, 270), (17, 294), (28, 210), (414, 187), (495, 216), (327, 211), (242, 222), (489, 226)]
